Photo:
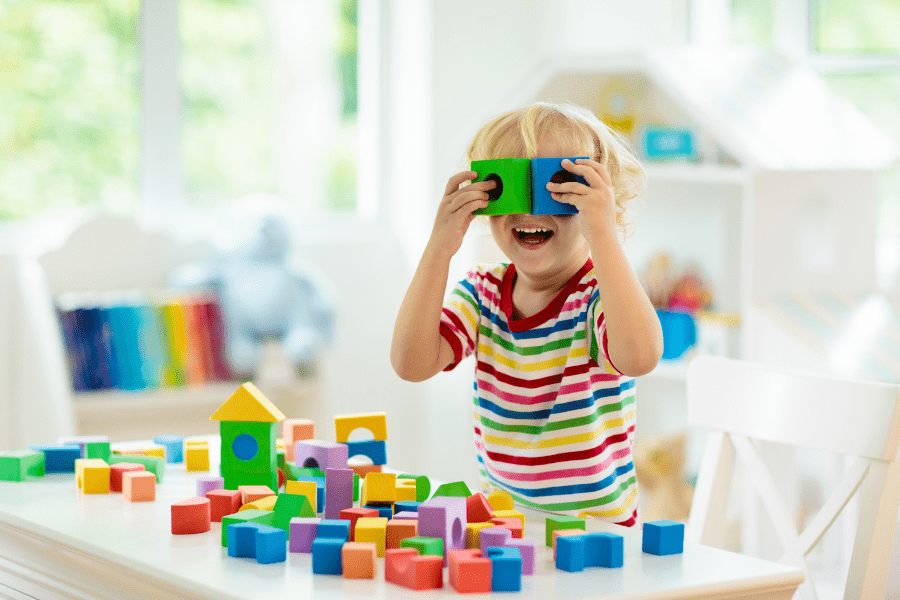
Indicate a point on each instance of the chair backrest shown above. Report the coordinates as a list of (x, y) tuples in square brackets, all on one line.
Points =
[(740, 403)]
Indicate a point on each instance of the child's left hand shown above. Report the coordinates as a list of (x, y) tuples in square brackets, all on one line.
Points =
[(596, 201)]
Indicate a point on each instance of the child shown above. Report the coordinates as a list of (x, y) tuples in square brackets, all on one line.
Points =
[(557, 337)]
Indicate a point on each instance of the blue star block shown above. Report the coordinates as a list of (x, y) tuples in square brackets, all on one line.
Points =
[(506, 569), (663, 537), (326, 556)]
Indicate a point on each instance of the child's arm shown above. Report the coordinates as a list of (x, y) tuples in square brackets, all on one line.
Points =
[(418, 350), (633, 329)]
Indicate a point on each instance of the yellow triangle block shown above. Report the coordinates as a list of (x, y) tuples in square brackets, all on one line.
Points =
[(248, 404)]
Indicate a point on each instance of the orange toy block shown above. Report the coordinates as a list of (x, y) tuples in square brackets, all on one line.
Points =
[(508, 514), (363, 470), (405, 490), (190, 516), (561, 533), (252, 493), (138, 486), (473, 534), (400, 529), (294, 430), (371, 529), (470, 573), (374, 422), (196, 457), (358, 560), (266, 503), (501, 500), (117, 470), (478, 509), (511, 523), (223, 503), (303, 488), (404, 566)]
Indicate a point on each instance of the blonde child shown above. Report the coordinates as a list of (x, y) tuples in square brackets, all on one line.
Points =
[(558, 333)]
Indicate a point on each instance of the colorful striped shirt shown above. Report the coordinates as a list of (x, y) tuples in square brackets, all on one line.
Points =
[(553, 419)]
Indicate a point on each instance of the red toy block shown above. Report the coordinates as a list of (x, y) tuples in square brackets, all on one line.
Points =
[(223, 503), (355, 514), (404, 566), (478, 509), (511, 523), (190, 516), (115, 474), (469, 572), (400, 529)]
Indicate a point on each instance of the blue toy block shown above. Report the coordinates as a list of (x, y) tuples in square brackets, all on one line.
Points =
[(544, 170), (570, 553), (603, 550), (406, 506), (383, 511), (271, 544), (174, 447), (320, 491), (58, 459), (326, 556), (334, 528), (663, 537), (375, 450), (506, 569), (242, 539)]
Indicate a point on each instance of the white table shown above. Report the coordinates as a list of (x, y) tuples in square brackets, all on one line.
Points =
[(57, 543)]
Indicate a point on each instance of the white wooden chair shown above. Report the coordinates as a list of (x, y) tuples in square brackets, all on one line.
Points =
[(740, 403)]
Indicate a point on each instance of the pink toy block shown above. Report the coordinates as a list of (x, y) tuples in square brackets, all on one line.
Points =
[(209, 483), (117, 470), (252, 493), (293, 431), (321, 454), (470, 573), (492, 537), (139, 486), (223, 503), (190, 516), (354, 514), (338, 492), (302, 532), (478, 509), (400, 530), (404, 566), (563, 532), (528, 550), (358, 560), (511, 523), (444, 517), (406, 515)]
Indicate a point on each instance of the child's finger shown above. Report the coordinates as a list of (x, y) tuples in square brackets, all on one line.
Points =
[(456, 180), (595, 168), (588, 169)]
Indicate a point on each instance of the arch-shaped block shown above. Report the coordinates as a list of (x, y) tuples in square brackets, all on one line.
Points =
[(375, 422), (405, 567), (374, 450), (321, 454)]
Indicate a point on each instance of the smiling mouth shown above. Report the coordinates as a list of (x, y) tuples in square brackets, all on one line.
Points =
[(532, 235)]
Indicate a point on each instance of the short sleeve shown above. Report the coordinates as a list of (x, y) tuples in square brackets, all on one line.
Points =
[(459, 318), (599, 348)]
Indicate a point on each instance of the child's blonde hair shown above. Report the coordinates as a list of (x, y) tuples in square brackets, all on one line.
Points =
[(516, 134)]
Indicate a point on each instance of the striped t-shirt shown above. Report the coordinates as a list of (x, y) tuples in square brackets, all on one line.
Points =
[(553, 419)]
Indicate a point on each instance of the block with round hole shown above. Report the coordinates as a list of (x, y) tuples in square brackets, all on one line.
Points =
[(513, 178)]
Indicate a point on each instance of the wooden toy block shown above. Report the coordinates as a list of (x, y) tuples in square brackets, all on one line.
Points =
[(456, 488), (303, 488), (405, 490), (425, 545), (444, 517), (139, 486), (478, 509), (58, 459), (271, 544), (117, 470), (290, 506), (154, 464), (562, 522), (294, 430), (190, 516), (358, 560), (513, 178), (473, 534), (374, 450), (247, 403), (326, 556), (265, 503), (241, 539), (406, 505), (363, 470), (334, 528), (264, 517), (174, 445), (557, 533), (321, 454), (528, 550), (470, 573), (399, 530), (80, 465), (98, 449), (302, 532), (493, 537), (223, 503), (338, 492), (375, 422), (252, 493), (543, 171), (355, 514), (663, 537), (404, 566), (371, 529), (19, 465), (501, 500), (423, 485), (511, 523), (509, 514), (95, 477), (209, 483), (506, 569), (379, 487)]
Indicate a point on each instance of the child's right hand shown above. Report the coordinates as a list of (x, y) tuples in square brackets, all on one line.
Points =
[(454, 214)]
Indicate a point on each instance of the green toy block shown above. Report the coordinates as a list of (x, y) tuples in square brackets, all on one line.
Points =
[(424, 545), (562, 522), (279, 460), (234, 480), (456, 488), (513, 192), (356, 487), (19, 465), (248, 447), (288, 506), (423, 486), (265, 517), (154, 464), (97, 450), (292, 471)]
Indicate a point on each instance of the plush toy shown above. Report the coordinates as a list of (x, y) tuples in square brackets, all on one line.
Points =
[(659, 466), (264, 299)]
